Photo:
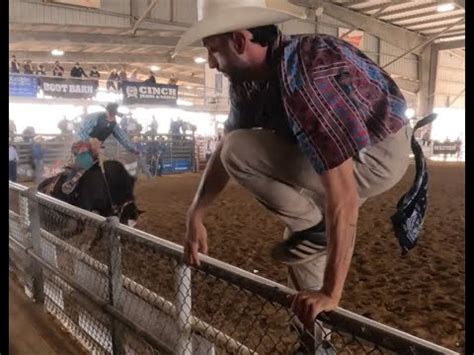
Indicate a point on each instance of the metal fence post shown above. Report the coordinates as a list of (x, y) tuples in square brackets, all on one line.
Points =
[(115, 281), (183, 309), (34, 242)]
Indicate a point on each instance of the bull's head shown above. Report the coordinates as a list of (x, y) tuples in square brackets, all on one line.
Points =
[(129, 214)]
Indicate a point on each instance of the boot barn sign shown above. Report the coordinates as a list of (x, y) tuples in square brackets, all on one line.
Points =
[(69, 88), (148, 93)]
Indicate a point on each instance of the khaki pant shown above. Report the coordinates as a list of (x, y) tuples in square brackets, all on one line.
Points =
[(282, 179)]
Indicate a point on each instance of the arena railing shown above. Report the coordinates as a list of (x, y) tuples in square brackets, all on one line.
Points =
[(120, 290)]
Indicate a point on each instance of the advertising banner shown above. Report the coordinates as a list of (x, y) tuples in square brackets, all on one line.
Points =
[(356, 37), (69, 88), (148, 93), (445, 147), (23, 85)]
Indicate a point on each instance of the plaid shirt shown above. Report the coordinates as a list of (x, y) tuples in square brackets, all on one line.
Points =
[(91, 121), (335, 100)]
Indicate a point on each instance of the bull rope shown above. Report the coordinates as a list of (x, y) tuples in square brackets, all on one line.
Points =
[(100, 158)]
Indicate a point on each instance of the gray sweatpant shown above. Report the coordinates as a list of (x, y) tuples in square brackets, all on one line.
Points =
[(282, 179)]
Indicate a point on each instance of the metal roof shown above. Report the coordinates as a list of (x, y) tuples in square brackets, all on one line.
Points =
[(420, 16), (113, 47)]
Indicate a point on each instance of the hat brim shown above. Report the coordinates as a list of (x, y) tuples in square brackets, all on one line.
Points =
[(234, 20)]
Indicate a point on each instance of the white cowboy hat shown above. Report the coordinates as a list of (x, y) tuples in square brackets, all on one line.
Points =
[(222, 16)]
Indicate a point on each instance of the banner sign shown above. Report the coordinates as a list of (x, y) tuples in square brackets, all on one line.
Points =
[(148, 93), (69, 88), (445, 147), (356, 37), (23, 85)]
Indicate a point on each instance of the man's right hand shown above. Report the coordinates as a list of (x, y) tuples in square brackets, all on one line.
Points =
[(95, 146), (195, 240)]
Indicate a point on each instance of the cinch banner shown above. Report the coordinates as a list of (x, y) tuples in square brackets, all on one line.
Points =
[(147, 93), (69, 88), (445, 147), (23, 85)]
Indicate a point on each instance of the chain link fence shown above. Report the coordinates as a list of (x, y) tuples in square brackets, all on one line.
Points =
[(119, 290)]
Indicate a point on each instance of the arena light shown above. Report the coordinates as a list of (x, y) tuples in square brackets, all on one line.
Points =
[(199, 60), (410, 113), (445, 7), (155, 68), (184, 103), (57, 52)]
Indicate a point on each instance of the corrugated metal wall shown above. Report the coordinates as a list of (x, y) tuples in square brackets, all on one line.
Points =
[(297, 27), (33, 11), (185, 11), (450, 80), (406, 67), (113, 13)]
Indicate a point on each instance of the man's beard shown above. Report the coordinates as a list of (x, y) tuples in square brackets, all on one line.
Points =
[(238, 75)]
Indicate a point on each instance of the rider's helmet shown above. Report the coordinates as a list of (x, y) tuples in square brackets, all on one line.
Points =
[(112, 108)]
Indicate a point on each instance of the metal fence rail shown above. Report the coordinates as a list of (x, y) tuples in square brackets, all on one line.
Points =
[(119, 290), (176, 153)]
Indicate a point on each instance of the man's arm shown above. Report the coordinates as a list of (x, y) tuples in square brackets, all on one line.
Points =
[(212, 182), (122, 138), (87, 127), (342, 209)]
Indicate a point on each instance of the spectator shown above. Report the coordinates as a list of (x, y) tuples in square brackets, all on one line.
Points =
[(173, 80), (112, 80), (94, 73), (77, 71), (40, 70), (28, 68), (458, 144), (38, 156), (13, 161), (153, 126), (11, 128), (211, 147), (122, 77), (151, 78), (133, 76), (14, 66), (58, 70), (28, 134)]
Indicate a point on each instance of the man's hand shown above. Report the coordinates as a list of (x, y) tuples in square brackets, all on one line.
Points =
[(308, 304), (195, 241), (95, 146)]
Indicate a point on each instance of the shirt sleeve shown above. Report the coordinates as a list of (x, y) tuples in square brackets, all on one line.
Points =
[(122, 138), (87, 127)]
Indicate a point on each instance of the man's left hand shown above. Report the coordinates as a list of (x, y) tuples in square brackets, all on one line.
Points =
[(308, 304)]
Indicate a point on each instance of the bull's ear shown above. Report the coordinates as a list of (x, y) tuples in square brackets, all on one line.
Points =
[(139, 211)]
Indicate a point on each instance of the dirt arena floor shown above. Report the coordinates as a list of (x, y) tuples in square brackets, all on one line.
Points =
[(421, 293)]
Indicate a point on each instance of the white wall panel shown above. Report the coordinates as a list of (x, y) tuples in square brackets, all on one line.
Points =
[(297, 27), (371, 45), (118, 6), (450, 79), (36, 12), (407, 66), (185, 11), (162, 11), (327, 25)]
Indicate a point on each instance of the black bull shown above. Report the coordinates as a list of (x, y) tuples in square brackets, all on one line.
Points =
[(92, 194)]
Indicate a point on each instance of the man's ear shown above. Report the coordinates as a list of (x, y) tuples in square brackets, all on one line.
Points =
[(239, 41)]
